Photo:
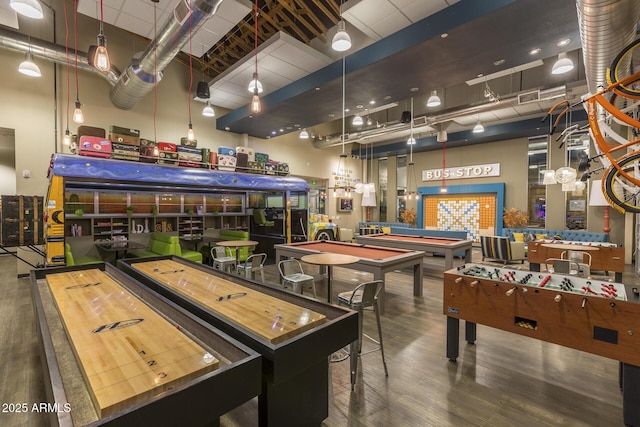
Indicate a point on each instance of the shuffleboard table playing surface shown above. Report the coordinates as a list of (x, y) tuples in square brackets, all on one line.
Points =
[(270, 318), (126, 351)]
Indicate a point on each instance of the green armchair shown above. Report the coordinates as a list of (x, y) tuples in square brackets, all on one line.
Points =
[(71, 259), (166, 244)]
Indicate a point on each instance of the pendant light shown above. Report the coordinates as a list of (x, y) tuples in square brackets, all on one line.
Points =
[(434, 100), (28, 8), (357, 120), (255, 86), (411, 141), (208, 111), (101, 57), (564, 64), (341, 40), (304, 134), (28, 67), (478, 128), (78, 115), (190, 134), (342, 160), (156, 150), (66, 140)]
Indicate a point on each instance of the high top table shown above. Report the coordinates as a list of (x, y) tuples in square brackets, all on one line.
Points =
[(329, 260), (237, 244)]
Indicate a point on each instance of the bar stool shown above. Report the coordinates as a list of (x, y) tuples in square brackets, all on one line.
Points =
[(222, 260), (253, 264), (292, 274), (363, 296)]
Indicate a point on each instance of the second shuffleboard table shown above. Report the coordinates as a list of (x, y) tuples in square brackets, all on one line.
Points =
[(373, 259), (422, 243), (295, 335)]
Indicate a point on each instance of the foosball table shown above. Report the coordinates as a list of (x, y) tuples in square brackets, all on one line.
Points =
[(596, 316)]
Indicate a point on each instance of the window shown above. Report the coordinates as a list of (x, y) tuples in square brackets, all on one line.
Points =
[(537, 204), (382, 180)]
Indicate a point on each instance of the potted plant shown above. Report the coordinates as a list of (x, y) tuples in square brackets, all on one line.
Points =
[(154, 210), (79, 212), (129, 210), (409, 216), (515, 218)]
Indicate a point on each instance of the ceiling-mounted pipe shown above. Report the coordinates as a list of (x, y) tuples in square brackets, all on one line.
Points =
[(138, 79), (606, 27), (51, 52), (422, 122)]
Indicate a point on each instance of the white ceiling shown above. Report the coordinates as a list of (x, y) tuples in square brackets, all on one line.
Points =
[(381, 18), (136, 16)]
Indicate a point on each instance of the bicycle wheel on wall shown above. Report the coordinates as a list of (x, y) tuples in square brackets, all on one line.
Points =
[(623, 66), (618, 189)]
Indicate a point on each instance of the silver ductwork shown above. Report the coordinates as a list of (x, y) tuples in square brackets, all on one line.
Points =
[(139, 77), (422, 123), (51, 52), (606, 27)]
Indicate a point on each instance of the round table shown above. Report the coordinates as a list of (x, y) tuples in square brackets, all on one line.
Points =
[(329, 260), (237, 244)]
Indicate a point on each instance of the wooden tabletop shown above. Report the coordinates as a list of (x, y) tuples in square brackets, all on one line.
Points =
[(237, 243), (326, 258), (567, 247), (271, 318), (127, 352)]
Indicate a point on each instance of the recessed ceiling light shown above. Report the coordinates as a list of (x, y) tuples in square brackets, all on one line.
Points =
[(227, 128), (563, 42), (273, 132), (297, 125), (359, 106), (535, 51), (480, 74), (289, 127), (414, 89), (444, 35), (281, 130), (499, 62), (317, 88), (372, 102), (387, 97), (346, 110), (268, 136)]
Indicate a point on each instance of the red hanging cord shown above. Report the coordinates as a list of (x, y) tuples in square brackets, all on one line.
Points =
[(75, 36), (66, 45), (155, 76), (256, 41), (101, 13), (190, 58)]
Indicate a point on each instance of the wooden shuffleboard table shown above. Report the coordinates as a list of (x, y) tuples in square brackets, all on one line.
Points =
[(294, 334), (422, 243), (118, 353), (373, 259)]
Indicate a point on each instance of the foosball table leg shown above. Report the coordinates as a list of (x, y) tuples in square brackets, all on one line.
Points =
[(470, 332), (453, 338)]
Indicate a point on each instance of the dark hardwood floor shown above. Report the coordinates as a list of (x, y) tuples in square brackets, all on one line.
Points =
[(503, 380)]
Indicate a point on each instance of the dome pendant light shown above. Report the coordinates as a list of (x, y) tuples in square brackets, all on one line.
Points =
[(478, 128), (28, 67), (341, 40), (357, 120), (28, 8), (434, 100), (304, 134), (208, 111), (255, 83), (564, 64)]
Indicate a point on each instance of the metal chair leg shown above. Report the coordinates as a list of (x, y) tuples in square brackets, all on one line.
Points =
[(384, 363)]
